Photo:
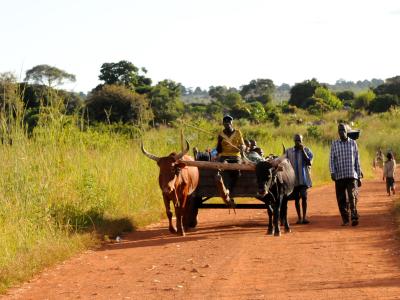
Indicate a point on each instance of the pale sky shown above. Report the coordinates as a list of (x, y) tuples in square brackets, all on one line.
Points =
[(204, 42)]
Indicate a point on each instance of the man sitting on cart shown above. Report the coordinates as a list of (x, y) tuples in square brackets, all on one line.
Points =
[(229, 147)]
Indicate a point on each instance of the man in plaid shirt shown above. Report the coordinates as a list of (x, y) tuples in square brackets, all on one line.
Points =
[(344, 165)]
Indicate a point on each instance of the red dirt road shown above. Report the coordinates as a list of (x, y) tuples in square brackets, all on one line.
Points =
[(230, 257)]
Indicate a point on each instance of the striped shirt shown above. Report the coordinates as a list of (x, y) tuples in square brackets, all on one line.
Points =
[(301, 166), (344, 159)]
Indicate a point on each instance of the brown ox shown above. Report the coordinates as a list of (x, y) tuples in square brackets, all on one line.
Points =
[(177, 182)]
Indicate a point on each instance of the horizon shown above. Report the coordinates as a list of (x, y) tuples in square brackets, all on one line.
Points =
[(205, 44)]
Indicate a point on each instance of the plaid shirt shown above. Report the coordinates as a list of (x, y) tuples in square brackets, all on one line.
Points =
[(344, 160)]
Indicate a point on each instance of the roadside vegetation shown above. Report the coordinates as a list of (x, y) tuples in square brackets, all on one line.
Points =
[(73, 173)]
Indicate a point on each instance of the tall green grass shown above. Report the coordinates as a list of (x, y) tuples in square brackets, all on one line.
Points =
[(57, 187), (62, 186)]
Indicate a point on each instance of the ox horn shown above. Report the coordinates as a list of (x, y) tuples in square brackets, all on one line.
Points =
[(284, 148), (181, 154), (278, 160), (149, 155)]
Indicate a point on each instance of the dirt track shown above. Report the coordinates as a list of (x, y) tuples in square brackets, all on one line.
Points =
[(229, 257)]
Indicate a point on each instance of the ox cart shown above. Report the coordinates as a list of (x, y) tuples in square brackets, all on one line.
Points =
[(246, 186), (274, 182)]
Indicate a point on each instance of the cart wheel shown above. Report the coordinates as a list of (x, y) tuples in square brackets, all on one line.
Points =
[(192, 211)]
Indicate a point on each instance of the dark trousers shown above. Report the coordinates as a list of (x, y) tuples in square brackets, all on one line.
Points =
[(389, 184), (230, 177), (300, 191), (346, 195)]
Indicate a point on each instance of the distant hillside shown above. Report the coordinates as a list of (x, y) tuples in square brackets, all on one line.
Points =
[(197, 95), (282, 92), (356, 87), (203, 99)]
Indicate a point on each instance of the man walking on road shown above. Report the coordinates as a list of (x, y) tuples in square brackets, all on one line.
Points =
[(344, 165), (301, 159)]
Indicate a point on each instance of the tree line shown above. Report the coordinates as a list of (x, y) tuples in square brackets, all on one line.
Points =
[(126, 95)]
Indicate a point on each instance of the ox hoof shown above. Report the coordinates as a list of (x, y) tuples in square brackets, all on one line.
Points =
[(270, 232), (182, 233), (172, 230), (277, 233), (288, 230)]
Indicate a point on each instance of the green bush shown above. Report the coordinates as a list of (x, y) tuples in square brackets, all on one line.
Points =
[(314, 132), (116, 103), (383, 103), (363, 100)]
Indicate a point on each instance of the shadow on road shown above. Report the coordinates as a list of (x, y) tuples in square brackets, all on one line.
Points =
[(386, 282)]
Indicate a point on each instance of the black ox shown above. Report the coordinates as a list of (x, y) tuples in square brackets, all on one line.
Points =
[(275, 179)]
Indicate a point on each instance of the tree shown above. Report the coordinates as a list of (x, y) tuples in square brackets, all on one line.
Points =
[(127, 74), (383, 103), (196, 110), (198, 91), (48, 75), (215, 110), (282, 93), (9, 96), (300, 92), (393, 80), (116, 103), (272, 114), (260, 90), (240, 110), (219, 92), (359, 86), (318, 106), (165, 101), (257, 112), (186, 90), (232, 99), (330, 99), (345, 95), (363, 99), (7, 77), (35, 95), (284, 87), (8, 88), (391, 86)]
